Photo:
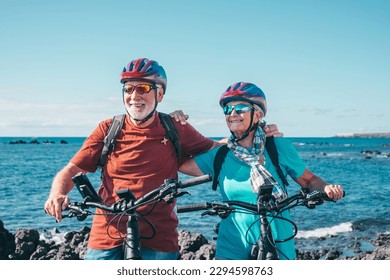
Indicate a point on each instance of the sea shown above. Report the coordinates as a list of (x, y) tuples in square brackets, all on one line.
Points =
[(360, 165)]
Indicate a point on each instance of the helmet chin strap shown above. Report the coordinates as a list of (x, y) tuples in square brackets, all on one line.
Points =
[(250, 128)]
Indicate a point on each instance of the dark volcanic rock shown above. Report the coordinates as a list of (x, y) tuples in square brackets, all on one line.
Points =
[(26, 242), (194, 246), (26, 245), (7, 242)]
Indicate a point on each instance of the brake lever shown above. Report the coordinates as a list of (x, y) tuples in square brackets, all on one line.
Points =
[(312, 204), (222, 213), (171, 197), (313, 199), (314, 195), (81, 215), (209, 212)]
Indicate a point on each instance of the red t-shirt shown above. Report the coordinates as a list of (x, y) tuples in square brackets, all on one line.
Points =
[(140, 161)]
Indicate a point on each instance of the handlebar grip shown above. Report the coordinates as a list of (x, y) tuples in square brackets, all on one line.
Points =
[(195, 181), (320, 195), (325, 197), (193, 207)]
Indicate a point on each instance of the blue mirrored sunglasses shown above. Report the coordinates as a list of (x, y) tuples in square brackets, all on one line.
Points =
[(239, 108)]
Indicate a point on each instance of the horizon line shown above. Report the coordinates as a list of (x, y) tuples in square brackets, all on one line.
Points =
[(338, 135)]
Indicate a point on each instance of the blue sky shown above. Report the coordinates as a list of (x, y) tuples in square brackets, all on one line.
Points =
[(323, 65)]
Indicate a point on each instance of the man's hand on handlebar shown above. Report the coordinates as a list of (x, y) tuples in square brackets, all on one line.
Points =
[(55, 205)]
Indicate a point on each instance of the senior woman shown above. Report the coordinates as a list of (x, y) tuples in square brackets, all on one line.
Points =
[(246, 165)]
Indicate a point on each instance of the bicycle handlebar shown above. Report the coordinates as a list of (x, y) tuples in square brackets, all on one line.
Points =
[(127, 205), (170, 186), (195, 181), (266, 205), (310, 200), (169, 190), (194, 207)]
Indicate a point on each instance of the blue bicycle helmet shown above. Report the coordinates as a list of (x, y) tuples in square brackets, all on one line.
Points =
[(246, 92)]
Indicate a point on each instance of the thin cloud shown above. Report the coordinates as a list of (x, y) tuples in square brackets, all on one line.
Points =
[(28, 118), (315, 111)]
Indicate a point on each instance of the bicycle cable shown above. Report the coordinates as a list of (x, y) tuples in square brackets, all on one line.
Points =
[(295, 231), (119, 218)]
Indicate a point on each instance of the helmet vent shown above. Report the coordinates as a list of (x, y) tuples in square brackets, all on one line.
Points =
[(237, 86), (141, 65)]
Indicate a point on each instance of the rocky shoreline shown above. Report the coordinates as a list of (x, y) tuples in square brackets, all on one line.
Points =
[(35, 141), (26, 244), (364, 135)]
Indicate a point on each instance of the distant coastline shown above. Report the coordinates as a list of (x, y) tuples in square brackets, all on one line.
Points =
[(77, 139), (364, 135)]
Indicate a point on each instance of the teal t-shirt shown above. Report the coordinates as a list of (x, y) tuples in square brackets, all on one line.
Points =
[(240, 231)]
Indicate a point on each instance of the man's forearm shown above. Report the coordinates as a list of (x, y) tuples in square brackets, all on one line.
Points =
[(62, 182)]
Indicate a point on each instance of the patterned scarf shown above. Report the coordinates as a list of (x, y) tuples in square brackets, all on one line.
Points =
[(255, 159)]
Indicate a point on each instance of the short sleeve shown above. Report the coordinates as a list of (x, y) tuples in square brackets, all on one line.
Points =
[(289, 158)]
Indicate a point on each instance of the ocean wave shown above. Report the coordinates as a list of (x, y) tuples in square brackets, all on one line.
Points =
[(333, 154), (326, 231), (299, 144), (53, 235)]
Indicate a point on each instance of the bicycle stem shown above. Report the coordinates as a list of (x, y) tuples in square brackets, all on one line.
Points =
[(265, 248), (131, 246)]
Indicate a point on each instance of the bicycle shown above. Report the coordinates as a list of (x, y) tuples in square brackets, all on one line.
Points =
[(127, 205), (266, 205)]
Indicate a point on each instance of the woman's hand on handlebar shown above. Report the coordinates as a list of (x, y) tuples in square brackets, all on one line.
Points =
[(334, 192), (55, 205)]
